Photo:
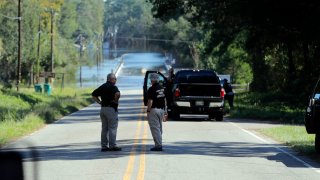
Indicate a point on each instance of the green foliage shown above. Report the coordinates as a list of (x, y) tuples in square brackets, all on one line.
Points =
[(280, 39), (137, 28), (89, 18), (22, 113), (271, 106), (8, 37), (67, 19), (10, 130), (130, 17), (233, 61)]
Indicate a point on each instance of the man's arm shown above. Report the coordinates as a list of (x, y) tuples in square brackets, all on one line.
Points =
[(165, 117), (149, 104), (117, 97), (165, 106), (96, 99)]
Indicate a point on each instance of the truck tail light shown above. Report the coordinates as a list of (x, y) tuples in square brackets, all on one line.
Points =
[(222, 93), (177, 92)]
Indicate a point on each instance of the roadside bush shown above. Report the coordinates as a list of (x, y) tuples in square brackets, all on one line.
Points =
[(270, 106)]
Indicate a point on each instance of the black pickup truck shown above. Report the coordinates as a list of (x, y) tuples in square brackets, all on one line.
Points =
[(191, 92), (312, 115)]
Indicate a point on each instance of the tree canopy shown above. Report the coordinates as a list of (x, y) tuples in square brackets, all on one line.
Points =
[(65, 18), (281, 38)]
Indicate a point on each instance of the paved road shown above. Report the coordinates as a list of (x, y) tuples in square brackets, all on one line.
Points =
[(193, 148)]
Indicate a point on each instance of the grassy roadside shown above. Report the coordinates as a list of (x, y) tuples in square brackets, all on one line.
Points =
[(269, 107), (294, 136), (25, 111)]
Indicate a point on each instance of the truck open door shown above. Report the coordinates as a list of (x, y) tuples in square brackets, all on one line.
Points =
[(147, 83)]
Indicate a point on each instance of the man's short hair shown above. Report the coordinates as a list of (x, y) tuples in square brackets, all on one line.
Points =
[(154, 77), (111, 76)]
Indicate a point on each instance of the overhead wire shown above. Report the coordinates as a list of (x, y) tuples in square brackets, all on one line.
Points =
[(14, 18)]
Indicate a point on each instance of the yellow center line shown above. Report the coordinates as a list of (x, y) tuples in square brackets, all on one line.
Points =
[(129, 170), (141, 171)]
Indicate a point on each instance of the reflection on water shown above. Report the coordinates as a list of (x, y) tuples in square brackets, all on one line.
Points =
[(132, 73), (136, 64), (94, 75)]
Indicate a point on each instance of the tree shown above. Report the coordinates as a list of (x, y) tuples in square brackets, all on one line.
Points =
[(58, 16), (281, 32)]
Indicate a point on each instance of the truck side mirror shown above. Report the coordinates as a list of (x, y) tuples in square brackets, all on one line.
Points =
[(312, 101)]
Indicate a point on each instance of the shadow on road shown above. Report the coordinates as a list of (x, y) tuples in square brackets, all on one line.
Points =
[(91, 151)]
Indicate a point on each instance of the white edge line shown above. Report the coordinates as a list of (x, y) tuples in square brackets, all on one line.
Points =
[(280, 149)]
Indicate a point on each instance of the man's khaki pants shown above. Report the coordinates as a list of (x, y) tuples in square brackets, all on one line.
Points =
[(109, 120)]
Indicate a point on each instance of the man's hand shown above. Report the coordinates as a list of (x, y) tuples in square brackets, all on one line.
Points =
[(165, 117), (96, 99)]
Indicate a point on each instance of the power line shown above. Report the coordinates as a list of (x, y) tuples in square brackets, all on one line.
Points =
[(14, 18), (151, 39)]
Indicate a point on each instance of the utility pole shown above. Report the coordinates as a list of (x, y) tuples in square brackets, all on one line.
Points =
[(38, 51), (52, 60), (19, 46), (115, 39), (80, 57)]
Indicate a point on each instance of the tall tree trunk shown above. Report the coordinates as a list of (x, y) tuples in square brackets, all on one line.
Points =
[(259, 69), (31, 78), (316, 60), (291, 73), (307, 66), (195, 55)]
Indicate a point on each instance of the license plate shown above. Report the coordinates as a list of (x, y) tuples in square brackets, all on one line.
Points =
[(199, 103)]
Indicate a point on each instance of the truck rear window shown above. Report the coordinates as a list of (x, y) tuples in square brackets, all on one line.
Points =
[(190, 76)]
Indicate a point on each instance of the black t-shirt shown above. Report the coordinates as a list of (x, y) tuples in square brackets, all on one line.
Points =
[(107, 92), (227, 87), (157, 93)]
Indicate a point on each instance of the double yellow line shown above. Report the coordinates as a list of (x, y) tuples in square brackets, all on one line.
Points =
[(137, 137)]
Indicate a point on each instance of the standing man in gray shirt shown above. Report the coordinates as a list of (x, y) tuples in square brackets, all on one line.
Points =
[(107, 95)]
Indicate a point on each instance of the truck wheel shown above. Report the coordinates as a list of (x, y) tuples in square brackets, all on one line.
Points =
[(211, 116), (175, 114), (317, 143), (219, 117)]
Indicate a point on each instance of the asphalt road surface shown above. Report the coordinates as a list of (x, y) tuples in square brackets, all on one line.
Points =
[(194, 149)]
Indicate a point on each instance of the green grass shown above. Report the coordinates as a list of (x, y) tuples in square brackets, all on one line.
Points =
[(271, 106), (295, 137), (279, 108), (10, 130), (25, 111)]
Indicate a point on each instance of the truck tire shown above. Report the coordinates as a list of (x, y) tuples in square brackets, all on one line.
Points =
[(219, 117), (175, 114), (317, 143), (212, 116)]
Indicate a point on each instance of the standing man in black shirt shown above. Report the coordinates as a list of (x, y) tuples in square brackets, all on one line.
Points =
[(156, 110), (107, 95), (229, 92)]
